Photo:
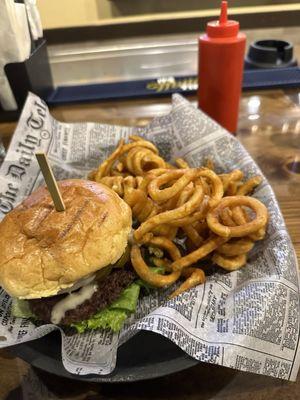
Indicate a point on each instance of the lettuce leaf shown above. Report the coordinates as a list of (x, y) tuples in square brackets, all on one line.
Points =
[(21, 309), (113, 317), (128, 299), (146, 285), (105, 319)]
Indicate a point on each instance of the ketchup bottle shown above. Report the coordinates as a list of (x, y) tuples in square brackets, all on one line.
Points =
[(220, 71)]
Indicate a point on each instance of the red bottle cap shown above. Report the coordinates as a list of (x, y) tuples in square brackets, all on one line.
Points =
[(223, 27)]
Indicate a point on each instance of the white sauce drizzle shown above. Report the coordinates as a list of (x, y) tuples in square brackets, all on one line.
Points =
[(81, 282), (71, 301)]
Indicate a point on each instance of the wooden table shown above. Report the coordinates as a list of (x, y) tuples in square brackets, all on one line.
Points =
[(270, 129)]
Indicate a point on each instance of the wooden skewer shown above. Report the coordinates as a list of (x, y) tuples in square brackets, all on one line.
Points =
[(50, 181)]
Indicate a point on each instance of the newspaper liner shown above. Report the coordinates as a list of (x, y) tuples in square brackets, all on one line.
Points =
[(247, 320)]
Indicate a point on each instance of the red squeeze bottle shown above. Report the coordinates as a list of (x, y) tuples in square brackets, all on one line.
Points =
[(220, 71)]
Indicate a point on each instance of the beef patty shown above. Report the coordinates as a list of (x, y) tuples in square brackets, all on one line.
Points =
[(109, 289)]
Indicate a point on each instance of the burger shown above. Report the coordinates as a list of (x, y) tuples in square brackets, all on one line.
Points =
[(70, 268)]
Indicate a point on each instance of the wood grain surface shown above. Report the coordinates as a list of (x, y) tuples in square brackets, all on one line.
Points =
[(269, 127)]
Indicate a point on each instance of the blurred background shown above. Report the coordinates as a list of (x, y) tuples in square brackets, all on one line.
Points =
[(95, 41), (105, 12)]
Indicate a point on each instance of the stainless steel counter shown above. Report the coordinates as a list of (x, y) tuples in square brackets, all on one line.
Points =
[(102, 61)]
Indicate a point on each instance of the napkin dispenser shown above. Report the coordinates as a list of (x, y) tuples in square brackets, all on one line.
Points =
[(31, 75)]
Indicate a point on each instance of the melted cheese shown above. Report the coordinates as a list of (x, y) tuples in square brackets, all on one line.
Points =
[(72, 301)]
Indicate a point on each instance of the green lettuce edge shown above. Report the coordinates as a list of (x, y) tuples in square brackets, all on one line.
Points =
[(114, 316), (21, 309)]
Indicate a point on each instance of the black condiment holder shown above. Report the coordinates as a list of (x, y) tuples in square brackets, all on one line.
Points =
[(270, 54), (31, 75)]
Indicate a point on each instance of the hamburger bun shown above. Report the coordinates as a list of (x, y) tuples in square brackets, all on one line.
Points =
[(43, 251)]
